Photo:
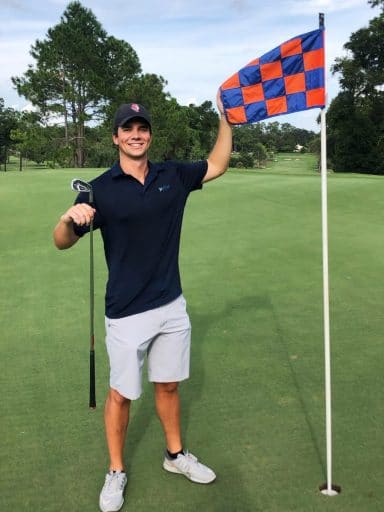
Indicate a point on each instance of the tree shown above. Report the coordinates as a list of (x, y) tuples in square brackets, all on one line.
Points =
[(8, 121), (260, 155), (203, 121), (314, 147), (32, 140), (246, 137), (79, 69), (100, 151), (19, 138), (376, 3), (355, 119), (169, 119), (274, 136), (363, 71), (242, 160)]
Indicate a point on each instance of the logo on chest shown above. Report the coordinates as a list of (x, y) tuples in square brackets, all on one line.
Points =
[(164, 188)]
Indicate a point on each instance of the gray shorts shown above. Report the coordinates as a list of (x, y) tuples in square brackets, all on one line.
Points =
[(163, 334)]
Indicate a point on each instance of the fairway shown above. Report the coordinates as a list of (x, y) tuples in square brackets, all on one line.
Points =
[(253, 409)]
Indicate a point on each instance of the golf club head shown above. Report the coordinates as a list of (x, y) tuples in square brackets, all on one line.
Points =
[(80, 185)]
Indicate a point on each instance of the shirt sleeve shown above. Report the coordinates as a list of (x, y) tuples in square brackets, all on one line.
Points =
[(192, 174), (83, 197)]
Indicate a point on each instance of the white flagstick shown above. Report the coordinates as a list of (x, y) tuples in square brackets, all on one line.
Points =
[(327, 352), (327, 488)]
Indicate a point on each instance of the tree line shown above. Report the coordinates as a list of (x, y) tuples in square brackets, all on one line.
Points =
[(81, 74), (355, 118)]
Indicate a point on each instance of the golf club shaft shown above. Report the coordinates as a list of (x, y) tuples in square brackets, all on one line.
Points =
[(92, 373), (92, 387)]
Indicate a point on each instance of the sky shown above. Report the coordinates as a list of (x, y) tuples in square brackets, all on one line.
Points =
[(195, 45)]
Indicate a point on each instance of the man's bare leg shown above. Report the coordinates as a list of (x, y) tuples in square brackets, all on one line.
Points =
[(168, 409), (116, 417)]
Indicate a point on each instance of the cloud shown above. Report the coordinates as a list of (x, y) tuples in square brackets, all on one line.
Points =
[(15, 28), (29, 108), (313, 6), (195, 46), (240, 5), (13, 4)]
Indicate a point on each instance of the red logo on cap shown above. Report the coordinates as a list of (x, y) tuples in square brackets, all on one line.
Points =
[(135, 107)]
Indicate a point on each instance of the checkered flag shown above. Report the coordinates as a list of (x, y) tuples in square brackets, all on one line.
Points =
[(287, 79)]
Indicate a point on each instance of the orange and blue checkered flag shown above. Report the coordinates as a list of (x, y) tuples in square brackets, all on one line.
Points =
[(287, 79)]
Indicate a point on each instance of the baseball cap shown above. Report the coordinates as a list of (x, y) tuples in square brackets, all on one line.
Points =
[(128, 111)]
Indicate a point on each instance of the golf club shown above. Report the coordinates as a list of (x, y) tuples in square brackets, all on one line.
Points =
[(82, 186)]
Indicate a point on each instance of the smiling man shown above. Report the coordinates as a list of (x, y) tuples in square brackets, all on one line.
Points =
[(138, 206)]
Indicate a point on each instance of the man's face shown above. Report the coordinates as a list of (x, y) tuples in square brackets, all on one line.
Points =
[(133, 139)]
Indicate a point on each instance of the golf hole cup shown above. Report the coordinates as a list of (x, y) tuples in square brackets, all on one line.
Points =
[(333, 491)]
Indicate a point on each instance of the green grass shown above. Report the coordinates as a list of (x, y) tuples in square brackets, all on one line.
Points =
[(254, 406)]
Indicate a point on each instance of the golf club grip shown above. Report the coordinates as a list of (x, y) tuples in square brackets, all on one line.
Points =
[(92, 386)]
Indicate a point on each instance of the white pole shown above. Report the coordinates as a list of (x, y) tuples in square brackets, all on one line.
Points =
[(327, 489), (327, 352)]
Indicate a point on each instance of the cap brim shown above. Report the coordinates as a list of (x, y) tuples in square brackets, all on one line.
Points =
[(128, 118)]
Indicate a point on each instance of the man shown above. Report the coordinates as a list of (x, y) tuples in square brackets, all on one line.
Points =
[(138, 206)]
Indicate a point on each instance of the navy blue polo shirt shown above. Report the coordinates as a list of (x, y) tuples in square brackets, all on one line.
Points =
[(140, 226)]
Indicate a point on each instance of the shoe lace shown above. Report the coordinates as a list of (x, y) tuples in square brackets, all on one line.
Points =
[(186, 460), (114, 482)]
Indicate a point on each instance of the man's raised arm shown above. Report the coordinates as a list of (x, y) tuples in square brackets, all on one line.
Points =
[(218, 159)]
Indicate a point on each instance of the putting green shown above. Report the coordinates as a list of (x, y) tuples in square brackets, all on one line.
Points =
[(254, 406)]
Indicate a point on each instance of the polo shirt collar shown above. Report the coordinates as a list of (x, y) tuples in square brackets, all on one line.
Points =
[(153, 170)]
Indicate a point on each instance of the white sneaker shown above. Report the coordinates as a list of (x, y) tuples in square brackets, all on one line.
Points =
[(111, 496), (190, 467)]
